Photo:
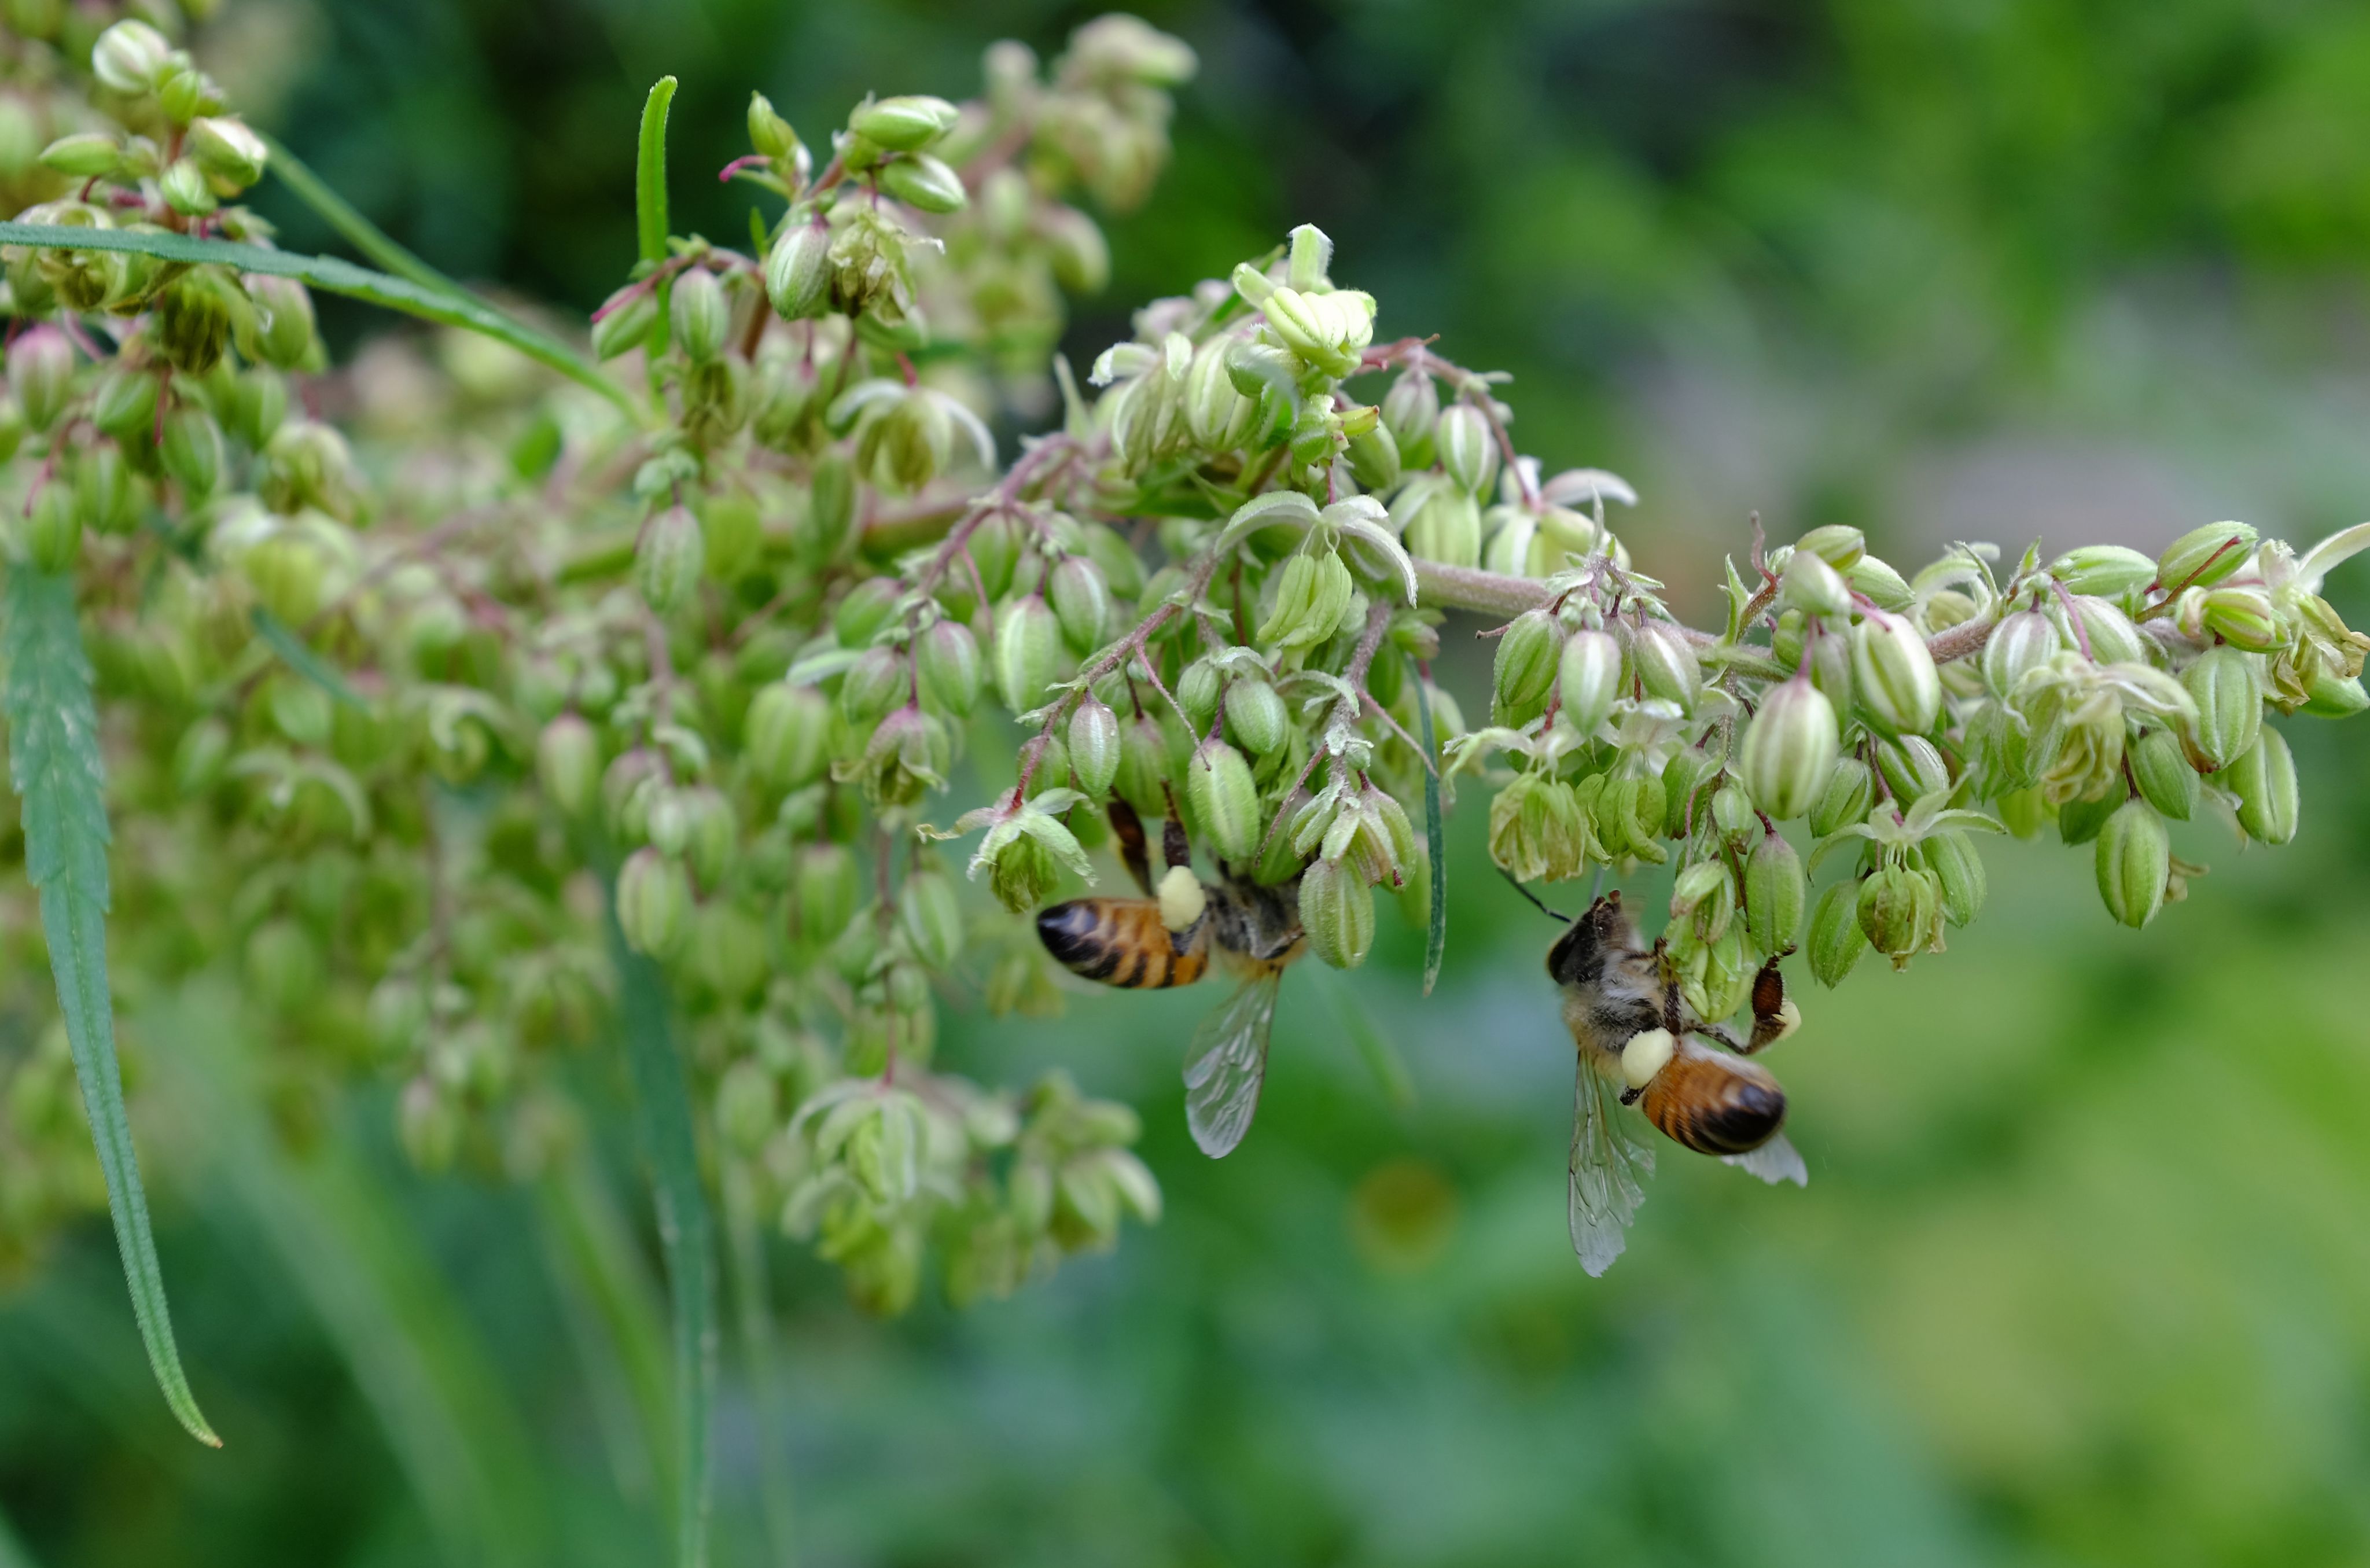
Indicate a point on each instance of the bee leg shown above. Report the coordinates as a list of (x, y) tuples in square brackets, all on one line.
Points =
[(1128, 828), (1629, 1096), (1772, 1019), (1174, 849)]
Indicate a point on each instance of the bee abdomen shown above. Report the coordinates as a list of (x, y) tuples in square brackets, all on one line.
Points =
[(1120, 941), (1715, 1104)]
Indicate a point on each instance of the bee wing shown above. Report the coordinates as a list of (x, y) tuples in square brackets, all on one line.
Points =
[(1227, 1064), (1608, 1167), (1773, 1161)]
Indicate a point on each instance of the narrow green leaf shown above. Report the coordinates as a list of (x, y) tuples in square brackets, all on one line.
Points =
[(359, 231), (54, 763), (338, 277), (1436, 939), (753, 1319), (303, 659), (614, 1311), (662, 1109), (650, 172)]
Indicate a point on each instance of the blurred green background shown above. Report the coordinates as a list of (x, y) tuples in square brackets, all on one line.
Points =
[(2083, 1273)]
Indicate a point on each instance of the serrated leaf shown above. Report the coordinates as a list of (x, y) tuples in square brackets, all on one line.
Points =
[(54, 762), (337, 277), (1435, 938)]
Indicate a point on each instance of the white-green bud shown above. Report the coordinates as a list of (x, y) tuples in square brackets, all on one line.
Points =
[(700, 313), (2022, 643), (1467, 450), (1836, 940), (41, 375), (1790, 749), (86, 155), (1704, 895), (1897, 909), (1774, 893), (2107, 570), (1027, 644), (769, 133), (1082, 602), (1811, 586), (2229, 692), (873, 685), (798, 271), (947, 660), (186, 190), (1846, 798), (1880, 585), (2264, 779), (227, 150), (2203, 557), (903, 124), (53, 528), (1337, 910), (1665, 664), (1588, 678), (193, 452), (1525, 669), (1959, 874), (786, 734), (1838, 544), (1912, 768), (2244, 617), (1439, 521), (567, 761), (1411, 410), (931, 915), (2161, 769), (2134, 857), (924, 183), (1094, 745), (129, 56), (1256, 716), (1199, 688), (284, 325), (653, 902), (1374, 457), (668, 558), (1225, 801), (1894, 676), (125, 406)]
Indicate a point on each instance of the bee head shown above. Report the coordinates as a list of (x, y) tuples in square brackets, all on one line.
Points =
[(1580, 953)]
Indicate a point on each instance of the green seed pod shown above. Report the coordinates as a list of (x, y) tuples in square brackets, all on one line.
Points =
[(1846, 797), (1589, 678), (700, 314), (824, 891), (2021, 644), (946, 659), (1256, 716), (1375, 458), (1198, 692), (668, 560), (785, 735), (931, 916), (129, 57), (864, 610), (1022, 873), (2244, 618), (2336, 696), (1880, 585), (2161, 769), (105, 490), (712, 833), (1219, 417), (41, 375), (2203, 557), (2114, 639), (1684, 777), (1704, 895), (731, 534), (1337, 910), (2108, 571), (1027, 646), (1959, 875), (125, 406), (1894, 677), (1143, 766), (1912, 768), (1898, 905), (1838, 544), (1095, 746), (1525, 669), (1224, 801), (1666, 666), (567, 761), (227, 150), (1790, 749), (1731, 812), (1411, 410), (1467, 451), (1774, 893), (625, 321), (1837, 940), (1440, 522), (1811, 585), (653, 903), (874, 685), (193, 452), (2078, 821), (924, 183), (54, 529), (1082, 602), (903, 124), (2134, 857), (284, 327), (88, 155), (798, 271), (2229, 691), (2264, 779)]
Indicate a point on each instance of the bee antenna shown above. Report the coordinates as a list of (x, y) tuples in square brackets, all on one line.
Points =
[(1533, 897)]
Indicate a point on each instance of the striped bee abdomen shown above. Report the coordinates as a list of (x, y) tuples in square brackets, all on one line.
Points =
[(1121, 941), (1714, 1103)]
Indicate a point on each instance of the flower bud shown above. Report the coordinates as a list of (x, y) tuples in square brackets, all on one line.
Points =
[(53, 528), (1027, 646), (874, 685), (567, 761), (1704, 896), (653, 903), (2134, 857), (923, 182), (41, 375), (711, 834), (1219, 417), (1897, 906), (2203, 557), (1094, 745), (1958, 871), (2264, 779), (2112, 637), (903, 124), (1225, 801), (1439, 522), (1774, 893), (125, 406), (2021, 644), (1375, 458), (1527, 666), (1022, 873), (824, 889), (769, 135), (2229, 697), (1256, 716), (625, 321), (1143, 766), (1790, 749), (1912, 768), (798, 271), (1811, 586), (785, 735), (1198, 692), (931, 916), (1665, 664), (1588, 678), (699, 313), (88, 155), (1732, 812), (2161, 769), (1837, 940), (1337, 910), (1880, 585), (1894, 676), (192, 451), (947, 660), (129, 57), (1082, 602), (2244, 618), (227, 150), (186, 190), (668, 560), (1469, 452), (2108, 571), (1838, 544), (2332, 696), (1846, 798), (1411, 412)]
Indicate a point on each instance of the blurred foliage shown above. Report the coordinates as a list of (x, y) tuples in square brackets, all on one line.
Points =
[(2064, 1287)]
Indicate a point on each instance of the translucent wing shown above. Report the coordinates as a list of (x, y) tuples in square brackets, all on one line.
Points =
[(1227, 1064), (1773, 1161), (1608, 1167)]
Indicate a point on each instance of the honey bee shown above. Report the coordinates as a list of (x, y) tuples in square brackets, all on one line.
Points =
[(1171, 937), (1638, 1039)]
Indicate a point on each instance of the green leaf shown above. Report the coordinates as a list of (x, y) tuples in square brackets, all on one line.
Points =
[(650, 173), (303, 659), (337, 277), (1436, 939), (359, 231), (662, 1109), (54, 763), (754, 1318), (614, 1314)]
